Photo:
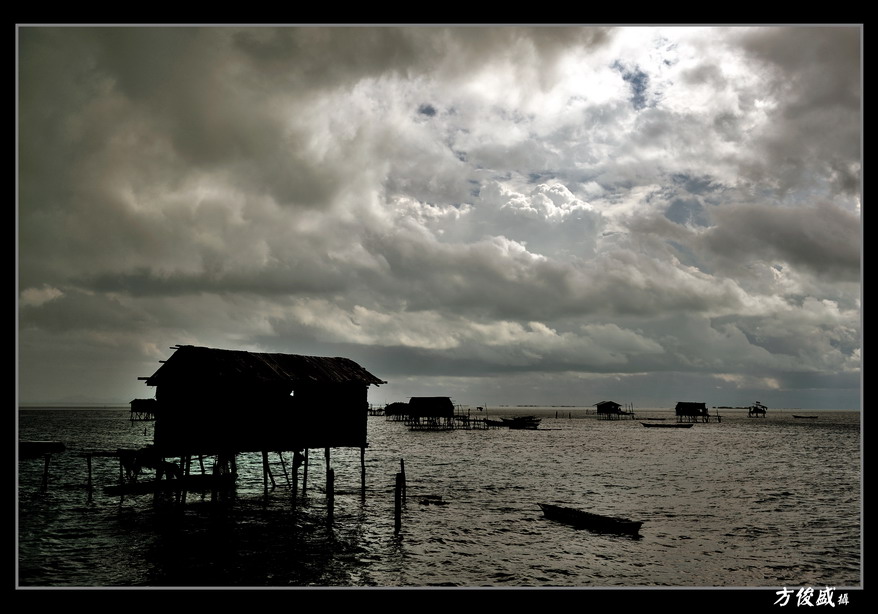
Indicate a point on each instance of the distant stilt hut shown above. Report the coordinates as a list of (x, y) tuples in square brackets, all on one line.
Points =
[(692, 412), (757, 410), (430, 414), (610, 410)]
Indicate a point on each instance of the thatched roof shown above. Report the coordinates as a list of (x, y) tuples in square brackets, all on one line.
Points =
[(201, 363), (608, 406)]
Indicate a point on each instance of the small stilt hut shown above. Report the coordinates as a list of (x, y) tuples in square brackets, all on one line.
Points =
[(610, 410), (692, 412), (430, 413)]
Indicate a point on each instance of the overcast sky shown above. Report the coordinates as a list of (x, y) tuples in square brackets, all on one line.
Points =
[(503, 215)]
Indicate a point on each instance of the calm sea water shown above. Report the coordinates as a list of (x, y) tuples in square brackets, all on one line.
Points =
[(748, 502)]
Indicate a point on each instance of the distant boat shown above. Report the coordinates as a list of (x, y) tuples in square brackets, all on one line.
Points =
[(673, 425), (805, 417), (593, 522), (522, 422)]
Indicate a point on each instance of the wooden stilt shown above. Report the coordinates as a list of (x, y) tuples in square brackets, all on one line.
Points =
[(284, 466), (270, 473), (186, 467), (295, 475), (265, 471), (326, 457), (330, 493), (305, 473)]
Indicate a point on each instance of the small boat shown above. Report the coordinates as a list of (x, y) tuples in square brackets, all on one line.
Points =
[(805, 417), (522, 422), (673, 425), (593, 522)]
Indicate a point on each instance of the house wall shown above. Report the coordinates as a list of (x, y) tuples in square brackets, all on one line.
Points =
[(201, 417)]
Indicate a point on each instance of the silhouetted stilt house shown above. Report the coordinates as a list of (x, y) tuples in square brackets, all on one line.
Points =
[(214, 402), (430, 413), (396, 411), (610, 410), (693, 412), (757, 410)]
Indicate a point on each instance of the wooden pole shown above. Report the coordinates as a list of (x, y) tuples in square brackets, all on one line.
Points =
[(326, 457), (185, 468), (294, 470), (88, 485), (402, 477), (363, 472), (305, 473), (330, 493), (265, 472), (397, 503), (284, 466)]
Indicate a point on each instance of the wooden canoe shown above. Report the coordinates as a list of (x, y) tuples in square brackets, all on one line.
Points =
[(593, 522)]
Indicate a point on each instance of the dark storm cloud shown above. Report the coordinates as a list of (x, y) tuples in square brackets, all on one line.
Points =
[(823, 239), (825, 98), (453, 203)]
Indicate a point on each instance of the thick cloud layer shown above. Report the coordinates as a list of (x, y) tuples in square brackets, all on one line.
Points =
[(499, 214)]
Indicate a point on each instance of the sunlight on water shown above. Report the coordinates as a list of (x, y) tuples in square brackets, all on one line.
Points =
[(745, 502)]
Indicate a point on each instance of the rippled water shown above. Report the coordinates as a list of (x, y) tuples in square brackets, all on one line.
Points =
[(744, 503)]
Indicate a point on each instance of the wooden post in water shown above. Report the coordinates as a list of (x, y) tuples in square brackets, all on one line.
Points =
[(363, 472), (283, 466), (265, 472), (326, 457), (330, 493), (305, 473), (402, 476), (88, 485), (397, 503), (330, 485), (294, 471)]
